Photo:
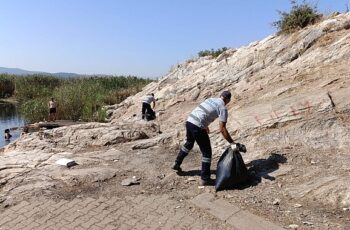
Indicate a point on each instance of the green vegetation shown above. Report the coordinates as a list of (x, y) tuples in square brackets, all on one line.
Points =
[(77, 98), (212, 52), (7, 86), (299, 17)]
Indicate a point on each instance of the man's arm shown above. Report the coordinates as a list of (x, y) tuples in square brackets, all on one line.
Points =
[(154, 103), (225, 133)]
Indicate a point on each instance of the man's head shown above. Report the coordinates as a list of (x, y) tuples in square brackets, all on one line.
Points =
[(152, 94), (226, 96), (52, 99)]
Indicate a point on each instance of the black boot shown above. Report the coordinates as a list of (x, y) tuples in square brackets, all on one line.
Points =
[(177, 167)]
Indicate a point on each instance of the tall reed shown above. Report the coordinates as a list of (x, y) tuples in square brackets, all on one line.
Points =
[(80, 98)]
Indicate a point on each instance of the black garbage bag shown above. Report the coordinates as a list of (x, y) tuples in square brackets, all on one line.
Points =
[(150, 115), (231, 170)]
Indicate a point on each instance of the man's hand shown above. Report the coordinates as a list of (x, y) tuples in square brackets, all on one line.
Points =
[(239, 147)]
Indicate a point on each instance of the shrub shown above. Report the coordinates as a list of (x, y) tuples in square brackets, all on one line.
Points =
[(212, 52), (299, 17), (34, 109), (35, 86), (7, 85)]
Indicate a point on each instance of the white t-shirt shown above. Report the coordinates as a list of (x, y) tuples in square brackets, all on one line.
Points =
[(207, 112), (148, 99)]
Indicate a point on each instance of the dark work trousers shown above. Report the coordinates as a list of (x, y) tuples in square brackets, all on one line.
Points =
[(145, 106), (199, 135)]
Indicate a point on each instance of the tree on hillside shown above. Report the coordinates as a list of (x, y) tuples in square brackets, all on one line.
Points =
[(300, 16)]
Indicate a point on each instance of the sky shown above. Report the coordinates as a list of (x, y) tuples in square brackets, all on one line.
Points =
[(131, 37)]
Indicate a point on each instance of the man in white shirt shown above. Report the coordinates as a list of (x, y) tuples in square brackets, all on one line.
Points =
[(197, 131), (146, 105)]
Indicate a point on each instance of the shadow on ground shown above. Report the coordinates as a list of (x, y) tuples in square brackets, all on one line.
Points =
[(261, 168), (193, 173), (257, 169)]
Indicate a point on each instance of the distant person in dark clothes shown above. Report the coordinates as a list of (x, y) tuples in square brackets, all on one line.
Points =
[(25, 130), (7, 135), (146, 105), (52, 109)]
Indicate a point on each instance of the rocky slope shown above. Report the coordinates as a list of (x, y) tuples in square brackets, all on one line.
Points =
[(291, 108), (291, 96)]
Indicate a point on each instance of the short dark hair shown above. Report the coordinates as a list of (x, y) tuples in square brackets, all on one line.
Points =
[(226, 94)]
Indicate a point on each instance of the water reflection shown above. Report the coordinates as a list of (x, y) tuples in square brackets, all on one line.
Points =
[(9, 119)]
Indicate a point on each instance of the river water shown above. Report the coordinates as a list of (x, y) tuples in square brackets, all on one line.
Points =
[(9, 119)]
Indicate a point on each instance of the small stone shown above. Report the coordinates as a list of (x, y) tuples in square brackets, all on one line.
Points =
[(298, 206), (313, 162), (293, 226), (191, 179), (229, 196), (66, 162), (200, 187), (276, 202), (346, 209), (177, 207), (161, 176), (131, 181)]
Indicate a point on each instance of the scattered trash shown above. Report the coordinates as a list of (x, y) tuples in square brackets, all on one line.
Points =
[(191, 179), (276, 202), (200, 187), (298, 206), (346, 209), (161, 176), (131, 181), (229, 196), (177, 207), (313, 162), (308, 223), (66, 162), (293, 226)]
